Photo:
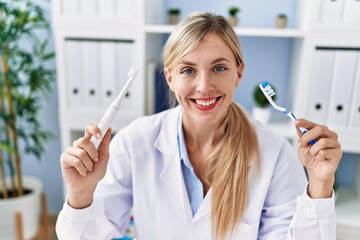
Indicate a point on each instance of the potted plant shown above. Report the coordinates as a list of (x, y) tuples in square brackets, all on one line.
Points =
[(281, 20), (233, 18), (174, 15), (23, 81), (261, 112)]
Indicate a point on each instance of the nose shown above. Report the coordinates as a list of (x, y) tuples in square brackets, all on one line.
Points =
[(204, 83)]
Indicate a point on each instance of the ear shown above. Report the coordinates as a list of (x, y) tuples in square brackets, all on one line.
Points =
[(239, 71), (169, 77)]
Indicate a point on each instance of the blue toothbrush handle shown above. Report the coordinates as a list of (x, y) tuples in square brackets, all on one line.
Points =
[(302, 130)]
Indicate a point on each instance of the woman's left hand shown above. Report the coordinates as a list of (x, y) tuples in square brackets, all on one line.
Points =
[(320, 159)]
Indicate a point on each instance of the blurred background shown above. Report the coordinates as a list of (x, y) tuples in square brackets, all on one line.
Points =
[(96, 42)]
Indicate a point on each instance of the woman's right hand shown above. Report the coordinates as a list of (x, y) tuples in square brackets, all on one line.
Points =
[(83, 166)]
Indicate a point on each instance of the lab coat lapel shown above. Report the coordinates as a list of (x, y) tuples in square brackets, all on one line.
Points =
[(204, 208), (171, 173)]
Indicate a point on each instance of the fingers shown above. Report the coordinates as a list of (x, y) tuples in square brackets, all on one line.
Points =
[(92, 130), (331, 155), (324, 143), (82, 154), (315, 131), (327, 146), (77, 158), (301, 122), (85, 144)]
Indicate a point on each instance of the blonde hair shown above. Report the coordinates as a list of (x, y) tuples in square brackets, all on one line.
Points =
[(237, 152), (228, 171)]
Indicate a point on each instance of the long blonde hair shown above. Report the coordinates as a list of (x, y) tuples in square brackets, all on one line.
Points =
[(237, 152)]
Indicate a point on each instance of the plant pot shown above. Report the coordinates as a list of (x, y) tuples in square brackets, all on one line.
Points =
[(29, 205), (174, 19), (280, 22), (261, 115), (233, 20)]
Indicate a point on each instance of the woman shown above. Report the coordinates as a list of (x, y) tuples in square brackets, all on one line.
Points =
[(201, 170)]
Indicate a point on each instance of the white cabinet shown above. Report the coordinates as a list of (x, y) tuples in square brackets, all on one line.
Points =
[(326, 88), (98, 40)]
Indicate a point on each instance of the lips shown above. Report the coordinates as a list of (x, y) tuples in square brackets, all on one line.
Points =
[(206, 104)]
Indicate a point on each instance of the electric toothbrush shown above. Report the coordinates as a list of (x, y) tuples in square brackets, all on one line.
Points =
[(113, 109)]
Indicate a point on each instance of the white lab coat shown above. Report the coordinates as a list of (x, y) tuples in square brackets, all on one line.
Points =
[(144, 172)]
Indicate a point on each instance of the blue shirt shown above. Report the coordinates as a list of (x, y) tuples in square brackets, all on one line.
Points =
[(194, 187)]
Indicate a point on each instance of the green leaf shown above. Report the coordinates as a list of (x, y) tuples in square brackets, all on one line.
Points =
[(48, 56), (29, 79)]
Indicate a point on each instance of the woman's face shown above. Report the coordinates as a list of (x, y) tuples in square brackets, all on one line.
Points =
[(204, 81)]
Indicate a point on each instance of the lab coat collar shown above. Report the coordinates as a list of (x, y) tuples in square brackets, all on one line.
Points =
[(171, 174), (166, 141)]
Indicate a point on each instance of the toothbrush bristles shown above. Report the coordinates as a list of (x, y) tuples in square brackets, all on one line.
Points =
[(132, 72), (269, 91)]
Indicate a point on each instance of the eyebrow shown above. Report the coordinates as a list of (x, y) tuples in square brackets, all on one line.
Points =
[(213, 62), (220, 59)]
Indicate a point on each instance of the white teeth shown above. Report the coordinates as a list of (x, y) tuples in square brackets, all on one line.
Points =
[(205, 103)]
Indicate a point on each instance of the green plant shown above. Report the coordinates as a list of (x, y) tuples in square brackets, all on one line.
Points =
[(24, 80), (233, 11), (174, 11), (282, 15), (259, 97)]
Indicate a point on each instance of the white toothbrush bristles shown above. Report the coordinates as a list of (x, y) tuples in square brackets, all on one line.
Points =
[(269, 92), (132, 72)]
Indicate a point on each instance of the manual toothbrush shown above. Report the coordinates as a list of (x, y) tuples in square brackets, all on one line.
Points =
[(269, 92)]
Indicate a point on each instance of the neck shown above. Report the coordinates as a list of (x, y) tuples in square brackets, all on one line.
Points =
[(204, 137)]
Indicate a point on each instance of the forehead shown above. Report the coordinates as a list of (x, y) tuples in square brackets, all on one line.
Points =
[(215, 39), (212, 45)]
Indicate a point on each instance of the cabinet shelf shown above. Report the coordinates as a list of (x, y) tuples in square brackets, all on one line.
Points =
[(240, 31), (270, 32)]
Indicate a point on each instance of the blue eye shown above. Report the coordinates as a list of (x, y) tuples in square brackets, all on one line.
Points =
[(219, 68), (187, 71)]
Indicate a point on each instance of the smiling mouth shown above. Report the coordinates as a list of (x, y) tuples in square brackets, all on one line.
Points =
[(207, 102)]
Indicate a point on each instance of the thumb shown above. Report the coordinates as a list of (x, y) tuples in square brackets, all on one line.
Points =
[(104, 146)]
